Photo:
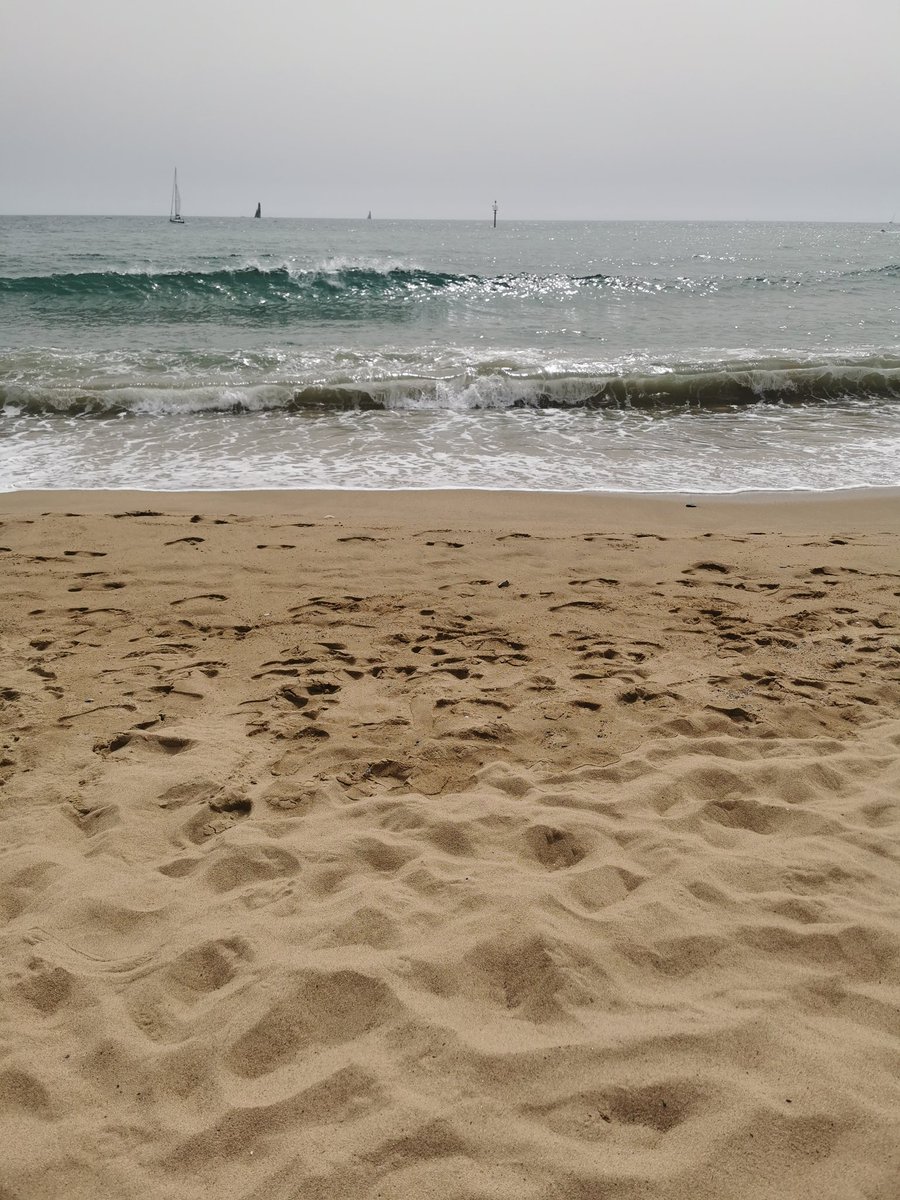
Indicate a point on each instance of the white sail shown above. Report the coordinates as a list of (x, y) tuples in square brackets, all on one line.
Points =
[(175, 210)]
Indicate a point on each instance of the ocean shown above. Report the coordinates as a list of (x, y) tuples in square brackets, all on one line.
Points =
[(381, 354)]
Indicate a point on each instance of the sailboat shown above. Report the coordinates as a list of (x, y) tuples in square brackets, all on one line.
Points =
[(175, 211), (258, 212)]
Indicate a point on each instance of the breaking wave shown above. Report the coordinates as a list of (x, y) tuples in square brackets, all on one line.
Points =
[(710, 388), (254, 293)]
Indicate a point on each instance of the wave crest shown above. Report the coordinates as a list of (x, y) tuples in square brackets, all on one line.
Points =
[(337, 290), (711, 388)]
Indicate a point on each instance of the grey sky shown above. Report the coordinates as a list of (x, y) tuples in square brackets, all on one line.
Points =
[(558, 108)]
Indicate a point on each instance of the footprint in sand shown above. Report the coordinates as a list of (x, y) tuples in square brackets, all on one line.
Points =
[(92, 816), (154, 743), (23, 1095), (242, 865), (709, 566), (217, 815), (553, 848), (209, 966), (520, 975), (306, 1011), (202, 596)]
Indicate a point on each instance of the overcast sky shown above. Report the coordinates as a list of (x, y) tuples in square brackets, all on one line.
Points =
[(556, 108)]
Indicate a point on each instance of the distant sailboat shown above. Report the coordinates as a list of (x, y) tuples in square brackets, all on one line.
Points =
[(175, 211), (369, 217), (258, 212)]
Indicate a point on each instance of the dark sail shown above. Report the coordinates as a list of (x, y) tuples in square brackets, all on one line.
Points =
[(258, 212)]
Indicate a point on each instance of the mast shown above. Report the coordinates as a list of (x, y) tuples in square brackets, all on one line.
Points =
[(175, 211)]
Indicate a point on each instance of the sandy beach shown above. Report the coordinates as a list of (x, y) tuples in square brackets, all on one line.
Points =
[(458, 845)]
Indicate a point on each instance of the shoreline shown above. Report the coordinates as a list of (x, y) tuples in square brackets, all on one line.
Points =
[(785, 508)]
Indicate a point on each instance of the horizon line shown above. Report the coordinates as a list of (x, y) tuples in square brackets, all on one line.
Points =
[(486, 218)]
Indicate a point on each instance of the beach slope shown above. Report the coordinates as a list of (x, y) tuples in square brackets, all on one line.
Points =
[(470, 845)]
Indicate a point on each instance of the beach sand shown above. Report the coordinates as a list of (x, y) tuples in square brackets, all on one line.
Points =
[(458, 845)]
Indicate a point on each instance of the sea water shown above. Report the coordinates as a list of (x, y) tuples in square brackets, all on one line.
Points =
[(242, 353)]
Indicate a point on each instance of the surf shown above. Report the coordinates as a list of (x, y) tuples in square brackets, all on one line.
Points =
[(688, 386)]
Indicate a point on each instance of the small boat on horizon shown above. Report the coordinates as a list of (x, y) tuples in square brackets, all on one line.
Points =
[(175, 216), (258, 212)]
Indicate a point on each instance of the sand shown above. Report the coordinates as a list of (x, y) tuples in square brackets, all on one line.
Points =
[(452, 845)]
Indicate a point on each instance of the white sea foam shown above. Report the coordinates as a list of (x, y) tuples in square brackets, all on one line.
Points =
[(775, 448)]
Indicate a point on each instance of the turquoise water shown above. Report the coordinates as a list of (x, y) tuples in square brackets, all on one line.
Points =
[(561, 356)]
